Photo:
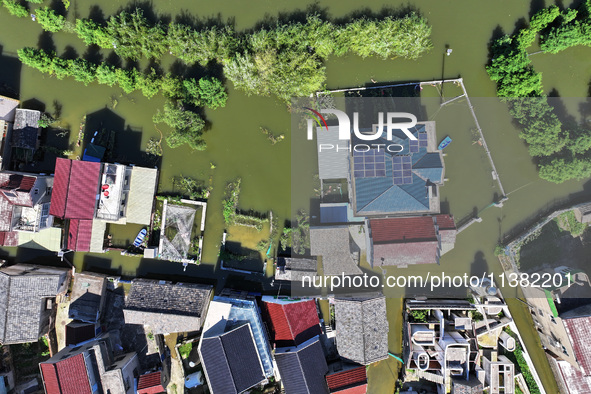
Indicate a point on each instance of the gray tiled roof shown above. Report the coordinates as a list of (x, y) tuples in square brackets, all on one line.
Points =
[(333, 244), (231, 361), (362, 329), (295, 268), (24, 290), (303, 368), (167, 307), (26, 128)]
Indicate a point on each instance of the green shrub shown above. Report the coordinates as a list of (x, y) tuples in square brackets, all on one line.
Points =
[(15, 8), (50, 20)]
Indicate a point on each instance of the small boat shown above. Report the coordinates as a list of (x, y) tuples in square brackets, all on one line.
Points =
[(446, 141), (140, 238)]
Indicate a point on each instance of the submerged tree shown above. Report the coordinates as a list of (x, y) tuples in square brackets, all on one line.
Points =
[(187, 125)]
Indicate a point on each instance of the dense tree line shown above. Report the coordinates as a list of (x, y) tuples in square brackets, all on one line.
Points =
[(181, 93), (285, 60), (562, 154)]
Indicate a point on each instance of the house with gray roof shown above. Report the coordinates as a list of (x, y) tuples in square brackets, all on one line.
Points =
[(25, 134), (362, 328), (167, 307), (339, 253), (294, 268), (27, 298), (405, 182), (231, 360), (88, 297), (303, 368)]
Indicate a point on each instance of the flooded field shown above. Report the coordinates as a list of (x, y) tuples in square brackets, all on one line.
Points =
[(238, 148)]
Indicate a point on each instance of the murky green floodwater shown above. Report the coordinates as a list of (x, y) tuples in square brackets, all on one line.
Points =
[(238, 148)]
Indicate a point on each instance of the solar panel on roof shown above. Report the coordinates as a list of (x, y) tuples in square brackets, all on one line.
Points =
[(414, 146), (423, 139), (369, 164)]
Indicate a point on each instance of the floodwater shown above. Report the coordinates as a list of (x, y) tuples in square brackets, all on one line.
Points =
[(237, 147)]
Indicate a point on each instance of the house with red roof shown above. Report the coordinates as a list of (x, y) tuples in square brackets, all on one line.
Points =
[(24, 205), (91, 194), (151, 383), (290, 322), (348, 381), (410, 240), (89, 369)]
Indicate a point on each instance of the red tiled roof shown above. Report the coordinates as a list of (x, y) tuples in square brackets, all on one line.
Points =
[(16, 188), (579, 331), (79, 234), (75, 187), (18, 182), (351, 381), (445, 222), (405, 253), (66, 376), (293, 322), (402, 230), (8, 238), (150, 383), (59, 193), (576, 382)]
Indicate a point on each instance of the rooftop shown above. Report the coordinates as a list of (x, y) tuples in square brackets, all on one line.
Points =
[(362, 329), (231, 361), (289, 268), (66, 376), (339, 254), (303, 368), (227, 311), (166, 307), (150, 383), (350, 381), (88, 290), (141, 195), (8, 108), (385, 182), (79, 235), (291, 322), (75, 189), (24, 293)]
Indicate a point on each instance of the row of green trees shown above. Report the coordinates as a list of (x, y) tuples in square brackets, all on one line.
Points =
[(205, 92), (562, 153), (181, 94), (285, 60)]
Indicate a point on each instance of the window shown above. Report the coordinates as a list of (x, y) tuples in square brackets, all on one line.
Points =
[(48, 191), (36, 191)]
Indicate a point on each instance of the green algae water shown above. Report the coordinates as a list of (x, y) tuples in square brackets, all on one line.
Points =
[(238, 149)]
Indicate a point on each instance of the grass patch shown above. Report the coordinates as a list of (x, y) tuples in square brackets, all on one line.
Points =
[(521, 365), (185, 349), (568, 222)]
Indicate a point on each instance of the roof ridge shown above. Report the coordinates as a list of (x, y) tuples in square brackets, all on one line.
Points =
[(378, 196), (219, 338), (297, 354), (288, 322)]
